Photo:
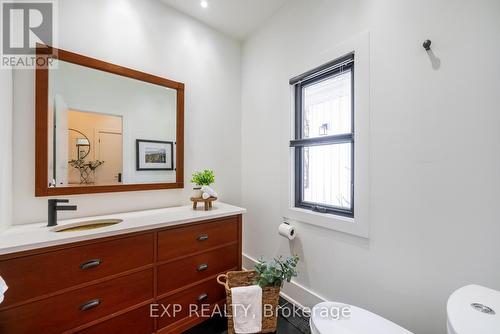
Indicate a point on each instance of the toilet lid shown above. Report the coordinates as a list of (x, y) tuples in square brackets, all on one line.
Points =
[(474, 309), (326, 318)]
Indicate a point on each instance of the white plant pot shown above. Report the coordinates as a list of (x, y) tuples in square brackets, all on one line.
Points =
[(197, 193)]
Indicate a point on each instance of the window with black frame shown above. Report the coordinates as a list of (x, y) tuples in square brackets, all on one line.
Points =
[(324, 138)]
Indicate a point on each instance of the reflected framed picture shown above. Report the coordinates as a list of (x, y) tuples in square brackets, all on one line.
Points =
[(154, 155)]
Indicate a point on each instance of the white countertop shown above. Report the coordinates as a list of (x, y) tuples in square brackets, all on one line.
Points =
[(26, 237)]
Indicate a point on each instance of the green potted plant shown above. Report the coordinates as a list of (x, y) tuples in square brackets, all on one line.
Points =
[(276, 272), (270, 276), (200, 179)]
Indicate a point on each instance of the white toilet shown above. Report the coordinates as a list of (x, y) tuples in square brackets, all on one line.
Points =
[(472, 309)]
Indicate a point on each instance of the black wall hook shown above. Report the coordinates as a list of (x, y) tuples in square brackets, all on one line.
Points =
[(427, 44)]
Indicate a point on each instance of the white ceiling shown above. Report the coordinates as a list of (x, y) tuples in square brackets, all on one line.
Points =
[(237, 18)]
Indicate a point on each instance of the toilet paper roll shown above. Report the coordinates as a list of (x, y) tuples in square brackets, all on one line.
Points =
[(286, 230)]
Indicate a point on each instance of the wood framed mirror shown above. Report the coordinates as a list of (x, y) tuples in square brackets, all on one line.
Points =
[(101, 127)]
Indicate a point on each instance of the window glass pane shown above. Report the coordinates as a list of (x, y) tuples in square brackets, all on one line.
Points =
[(327, 107), (327, 175)]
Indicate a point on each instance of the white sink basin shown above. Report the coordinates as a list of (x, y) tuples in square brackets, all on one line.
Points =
[(86, 225)]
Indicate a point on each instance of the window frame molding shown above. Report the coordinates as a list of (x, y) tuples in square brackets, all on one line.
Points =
[(359, 225), (330, 70)]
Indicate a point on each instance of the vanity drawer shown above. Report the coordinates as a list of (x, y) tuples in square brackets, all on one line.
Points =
[(133, 322), (191, 239), (177, 274), (37, 275), (207, 294), (66, 311)]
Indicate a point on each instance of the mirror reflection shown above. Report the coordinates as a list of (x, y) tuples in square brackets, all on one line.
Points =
[(107, 129)]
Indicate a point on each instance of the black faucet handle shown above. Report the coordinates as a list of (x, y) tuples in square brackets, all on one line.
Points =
[(58, 200)]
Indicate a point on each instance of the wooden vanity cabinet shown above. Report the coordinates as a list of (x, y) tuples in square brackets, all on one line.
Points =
[(45, 271), (107, 285)]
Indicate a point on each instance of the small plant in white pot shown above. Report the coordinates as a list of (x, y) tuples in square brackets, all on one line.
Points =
[(200, 179)]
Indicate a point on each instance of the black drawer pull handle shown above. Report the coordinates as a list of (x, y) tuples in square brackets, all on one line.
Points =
[(202, 267), (202, 237), (90, 305), (90, 264), (202, 297)]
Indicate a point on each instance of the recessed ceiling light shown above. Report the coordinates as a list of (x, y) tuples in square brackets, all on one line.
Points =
[(204, 3)]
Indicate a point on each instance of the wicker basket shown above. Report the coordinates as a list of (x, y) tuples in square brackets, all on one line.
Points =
[(270, 296)]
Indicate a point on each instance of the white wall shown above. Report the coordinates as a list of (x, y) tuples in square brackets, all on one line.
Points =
[(150, 37), (435, 138), (5, 148)]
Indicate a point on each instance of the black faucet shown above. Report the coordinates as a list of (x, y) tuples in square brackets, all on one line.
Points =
[(53, 208)]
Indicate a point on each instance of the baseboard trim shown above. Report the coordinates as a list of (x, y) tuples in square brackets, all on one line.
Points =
[(293, 292)]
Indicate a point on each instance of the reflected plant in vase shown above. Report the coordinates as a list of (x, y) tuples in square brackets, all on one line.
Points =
[(86, 168), (200, 179)]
